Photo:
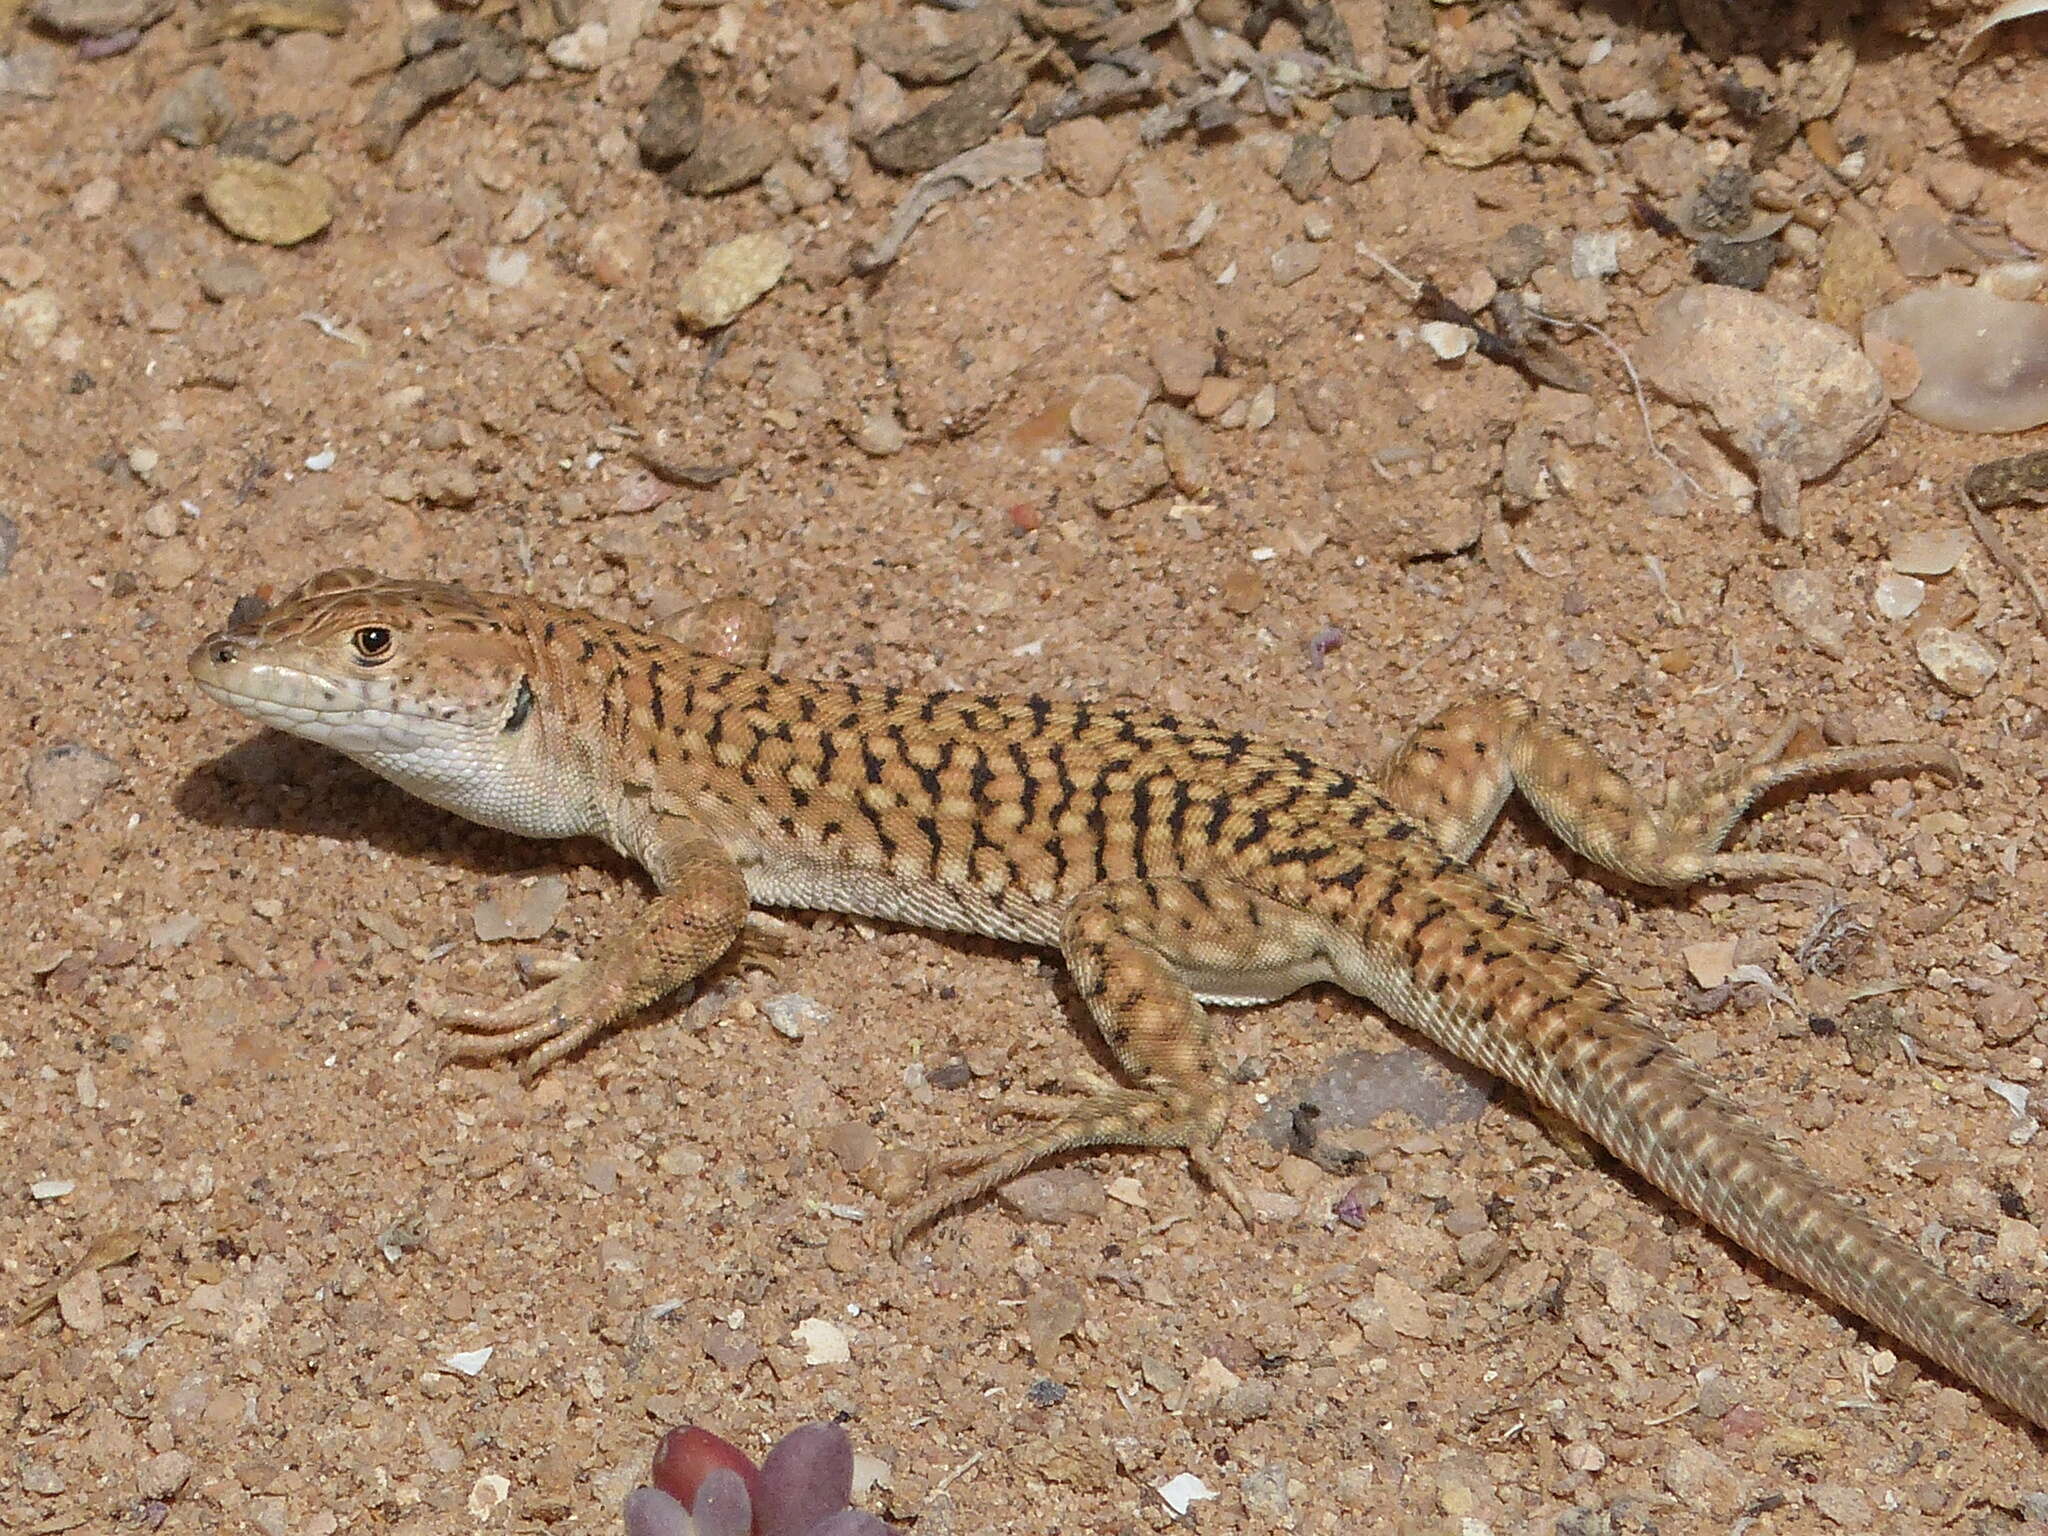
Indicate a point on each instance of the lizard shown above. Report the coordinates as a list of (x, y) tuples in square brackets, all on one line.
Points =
[(1173, 864)]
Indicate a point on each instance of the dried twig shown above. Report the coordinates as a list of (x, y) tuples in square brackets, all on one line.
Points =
[(2002, 553)]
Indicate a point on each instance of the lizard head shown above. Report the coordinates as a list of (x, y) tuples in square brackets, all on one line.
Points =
[(410, 678)]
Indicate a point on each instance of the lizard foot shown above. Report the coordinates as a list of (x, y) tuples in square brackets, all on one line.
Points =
[(544, 1026), (1121, 1116)]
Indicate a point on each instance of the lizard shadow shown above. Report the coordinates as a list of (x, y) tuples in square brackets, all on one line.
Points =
[(276, 782)]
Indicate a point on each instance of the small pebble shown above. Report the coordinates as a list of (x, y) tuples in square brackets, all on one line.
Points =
[(31, 71), (2016, 280), (1185, 446), (616, 255), (1053, 1196), (823, 1342), (967, 115), (1243, 591), (1449, 342), (1929, 554), (880, 435), (582, 49), (793, 1016), (1957, 183), (21, 267), (1215, 395), (1355, 149), (1294, 261), (197, 110), (1129, 478), (99, 18), (853, 1145), (1108, 409), (1898, 597), (96, 199), (1087, 154), (269, 204), (1181, 364), (673, 119), (173, 563), (65, 782), (82, 1303), (525, 911), (731, 277), (232, 277), (161, 1476), (1596, 253), (31, 320), (1856, 272), (449, 485), (506, 269), (1980, 358), (1925, 244), (1957, 659), (279, 137), (1806, 601), (1307, 165), (1743, 264), (929, 46), (524, 218), (1163, 206)]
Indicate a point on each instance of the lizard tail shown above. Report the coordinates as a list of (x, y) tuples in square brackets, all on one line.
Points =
[(1485, 980)]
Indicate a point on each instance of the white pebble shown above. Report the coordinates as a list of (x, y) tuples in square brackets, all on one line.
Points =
[(583, 49), (1898, 597), (1449, 342), (506, 269), (1596, 254)]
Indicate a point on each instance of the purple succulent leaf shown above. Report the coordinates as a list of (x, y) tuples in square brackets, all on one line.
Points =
[(805, 1479), (853, 1522), (650, 1512), (722, 1507)]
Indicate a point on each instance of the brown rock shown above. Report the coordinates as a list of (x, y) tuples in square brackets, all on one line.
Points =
[(965, 116), (929, 46), (735, 151), (1108, 409), (1181, 364), (1087, 153), (1355, 148), (673, 121), (269, 204)]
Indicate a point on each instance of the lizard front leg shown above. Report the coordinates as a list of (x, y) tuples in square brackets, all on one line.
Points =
[(1457, 770), (695, 918)]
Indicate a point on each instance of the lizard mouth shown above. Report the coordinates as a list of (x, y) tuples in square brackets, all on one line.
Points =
[(303, 704)]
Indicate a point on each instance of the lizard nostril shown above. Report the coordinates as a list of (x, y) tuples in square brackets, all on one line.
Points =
[(223, 654)]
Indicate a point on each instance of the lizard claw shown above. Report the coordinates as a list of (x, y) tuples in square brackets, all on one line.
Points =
[(764, 943), (541, 1022)]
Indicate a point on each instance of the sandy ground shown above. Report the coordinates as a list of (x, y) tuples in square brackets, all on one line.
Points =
[(215, 1075)]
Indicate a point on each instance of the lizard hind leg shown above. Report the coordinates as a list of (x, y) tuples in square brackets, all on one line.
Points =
[(1140, 952), (1457, 770)]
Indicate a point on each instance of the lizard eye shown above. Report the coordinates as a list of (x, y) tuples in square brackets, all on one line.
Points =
[(372, 643)]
